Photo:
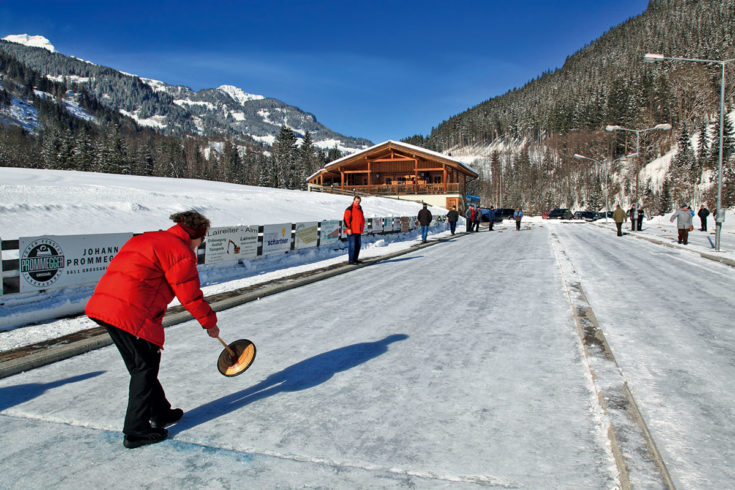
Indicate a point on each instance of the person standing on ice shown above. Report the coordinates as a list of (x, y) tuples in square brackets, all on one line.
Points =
[(491, 217), (130, 300), (641, 215), (453, 217), (683, 218), (518, 216), (619, 218), (354, 221), (424, 218), (631, 213), (703, 213), (470, 215)]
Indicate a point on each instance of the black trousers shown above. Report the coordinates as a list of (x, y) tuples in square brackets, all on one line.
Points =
[(704, 224), (146, 399), (619, 226)]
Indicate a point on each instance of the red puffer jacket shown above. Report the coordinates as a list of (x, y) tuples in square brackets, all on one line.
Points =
[(143, 279), (354, 219)]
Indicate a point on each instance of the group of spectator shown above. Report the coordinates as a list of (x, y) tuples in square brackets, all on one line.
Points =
[(684, 217)]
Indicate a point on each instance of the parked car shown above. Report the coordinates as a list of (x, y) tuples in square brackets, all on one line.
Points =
[(588, 215), (561, 213), (545, 214), (503, 213)]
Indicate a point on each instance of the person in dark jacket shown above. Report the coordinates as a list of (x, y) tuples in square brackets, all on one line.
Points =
[(354, 222), (424, 218), (453, 217), (491, 216), (703, 213), (641, 215), (130, 300)]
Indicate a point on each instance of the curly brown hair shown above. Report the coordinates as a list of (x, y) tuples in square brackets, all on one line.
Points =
[(193, 222)]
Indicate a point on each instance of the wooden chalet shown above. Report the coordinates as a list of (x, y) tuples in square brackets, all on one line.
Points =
[(400, 170)]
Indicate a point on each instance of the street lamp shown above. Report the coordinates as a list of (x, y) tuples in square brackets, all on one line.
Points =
[(577, 156), (720, 216), (637, 132)]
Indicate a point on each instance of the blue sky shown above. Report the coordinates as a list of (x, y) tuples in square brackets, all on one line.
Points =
[(376, 69)]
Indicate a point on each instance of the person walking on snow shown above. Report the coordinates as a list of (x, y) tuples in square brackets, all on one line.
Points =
[(354, 221), (424, 218), (619, 218), (703, 213), (518, 215), (130, 300), (641, 214), (453, 217), (683, 218)]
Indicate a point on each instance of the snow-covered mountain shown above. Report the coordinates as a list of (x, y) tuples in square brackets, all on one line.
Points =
[(175, 109)]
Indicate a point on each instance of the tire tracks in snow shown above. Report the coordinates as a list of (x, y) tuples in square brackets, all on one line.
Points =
[(637, 458)]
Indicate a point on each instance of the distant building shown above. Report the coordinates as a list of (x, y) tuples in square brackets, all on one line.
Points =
[(395, 169)]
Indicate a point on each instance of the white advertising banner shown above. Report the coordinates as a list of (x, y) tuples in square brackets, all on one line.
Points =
[(397, 224), (329, 234), (276, 238), (306, 234), (50, 262), (231, 243), (377, 225)]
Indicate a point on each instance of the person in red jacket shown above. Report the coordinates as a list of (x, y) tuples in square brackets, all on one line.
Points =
[(354, 221), (130, 301)]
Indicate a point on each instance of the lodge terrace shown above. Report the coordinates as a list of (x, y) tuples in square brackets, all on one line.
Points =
[(400, 170)]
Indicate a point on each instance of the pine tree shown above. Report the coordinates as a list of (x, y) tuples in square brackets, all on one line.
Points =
[(284, 154), (681, 177)]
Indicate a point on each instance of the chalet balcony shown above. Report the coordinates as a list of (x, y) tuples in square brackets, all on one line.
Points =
[(396, 189)]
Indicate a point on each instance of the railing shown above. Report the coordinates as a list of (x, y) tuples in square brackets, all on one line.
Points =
[(388, 190)]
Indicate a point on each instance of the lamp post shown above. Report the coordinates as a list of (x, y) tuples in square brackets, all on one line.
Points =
[(638, 153), (577, 156), (720, 215)]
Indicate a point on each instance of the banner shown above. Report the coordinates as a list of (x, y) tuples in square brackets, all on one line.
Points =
[(377, 225), (396, 224), (405, 223), (50, 262), (276, 238), (329, 234), (306, 234), (230, 244)]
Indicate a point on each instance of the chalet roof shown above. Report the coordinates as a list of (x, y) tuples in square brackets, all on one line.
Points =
[(433, 155)]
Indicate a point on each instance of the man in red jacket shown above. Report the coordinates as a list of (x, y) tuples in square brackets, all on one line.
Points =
[(130, 301), (354, 221)]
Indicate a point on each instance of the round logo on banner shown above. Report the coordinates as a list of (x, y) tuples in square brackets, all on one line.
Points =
[(41, 262)]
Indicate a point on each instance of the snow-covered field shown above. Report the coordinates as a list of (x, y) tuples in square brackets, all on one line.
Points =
[(50, 202), (453, 366)]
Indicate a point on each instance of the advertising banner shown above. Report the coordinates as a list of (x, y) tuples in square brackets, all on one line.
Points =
[(396, 224), (405, 224), (230, 244), (306, 234), (377, 225), (387, 225), (50, 262), (329, 234), (276, 238)]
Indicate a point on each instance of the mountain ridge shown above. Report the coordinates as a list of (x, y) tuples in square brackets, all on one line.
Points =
[(226, 111)]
